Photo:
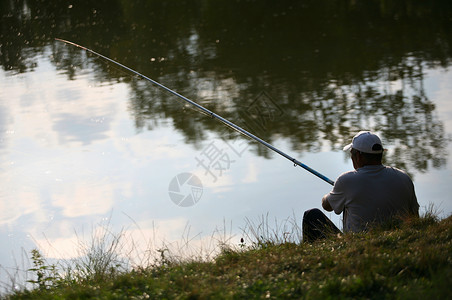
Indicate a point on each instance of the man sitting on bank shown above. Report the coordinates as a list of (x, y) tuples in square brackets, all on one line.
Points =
[(371, 194)]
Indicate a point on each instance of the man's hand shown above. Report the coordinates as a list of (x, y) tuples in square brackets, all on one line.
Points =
[(326, 205)]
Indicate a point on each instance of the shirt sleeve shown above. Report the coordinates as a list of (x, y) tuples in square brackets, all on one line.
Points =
[(337, 197), (414, 205)]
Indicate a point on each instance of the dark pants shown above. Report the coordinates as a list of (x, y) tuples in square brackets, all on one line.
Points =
[(317, 226)]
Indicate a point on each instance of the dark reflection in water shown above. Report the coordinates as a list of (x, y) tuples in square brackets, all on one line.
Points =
[(326, 68)]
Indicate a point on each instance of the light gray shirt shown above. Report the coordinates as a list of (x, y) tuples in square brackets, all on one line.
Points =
[(372, 194)]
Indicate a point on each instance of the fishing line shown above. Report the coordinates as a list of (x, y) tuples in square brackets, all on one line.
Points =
[(207, 112)]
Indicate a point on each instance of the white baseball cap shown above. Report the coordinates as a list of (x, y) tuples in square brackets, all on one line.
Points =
[(367, 142)]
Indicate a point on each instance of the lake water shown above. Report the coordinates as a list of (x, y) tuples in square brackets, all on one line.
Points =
[(88, 149)]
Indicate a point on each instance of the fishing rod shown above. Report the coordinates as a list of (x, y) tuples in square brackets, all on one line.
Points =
[(208, 112)]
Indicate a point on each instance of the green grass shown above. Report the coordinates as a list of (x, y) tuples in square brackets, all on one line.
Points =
[(408, 260)]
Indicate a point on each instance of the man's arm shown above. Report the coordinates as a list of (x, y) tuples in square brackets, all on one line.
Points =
[(325, 204), (335, 200)]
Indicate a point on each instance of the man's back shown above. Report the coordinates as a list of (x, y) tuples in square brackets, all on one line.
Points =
[(372, 193)]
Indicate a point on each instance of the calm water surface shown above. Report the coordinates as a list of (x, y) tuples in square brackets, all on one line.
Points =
[(87, 148)]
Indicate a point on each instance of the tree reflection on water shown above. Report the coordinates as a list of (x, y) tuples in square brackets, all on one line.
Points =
[(331, 67)]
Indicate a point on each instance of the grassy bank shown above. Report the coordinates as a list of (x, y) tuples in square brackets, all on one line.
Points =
[(411, 261)]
